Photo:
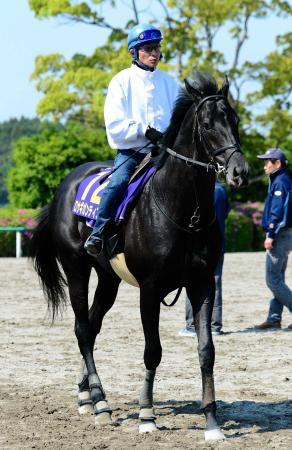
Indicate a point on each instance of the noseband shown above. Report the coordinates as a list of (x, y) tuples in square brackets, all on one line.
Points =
[(213, 152)]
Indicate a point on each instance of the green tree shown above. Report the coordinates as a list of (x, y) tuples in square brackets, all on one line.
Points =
[(75, 88), (10, 131), (190, 28), (274, 75), (42, 161)]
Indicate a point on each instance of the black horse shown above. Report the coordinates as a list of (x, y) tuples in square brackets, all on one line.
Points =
[(171, 240)]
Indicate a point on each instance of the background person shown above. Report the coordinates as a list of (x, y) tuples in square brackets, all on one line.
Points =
[(277, 222), (221, 208), (137, 110)]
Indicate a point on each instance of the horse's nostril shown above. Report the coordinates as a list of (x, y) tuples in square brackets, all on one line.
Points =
[(235, 173)]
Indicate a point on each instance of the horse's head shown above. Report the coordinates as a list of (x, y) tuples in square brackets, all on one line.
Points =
[(216, 127)]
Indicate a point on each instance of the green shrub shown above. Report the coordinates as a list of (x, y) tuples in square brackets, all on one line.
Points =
[(238, 233), (41, 161), (11, 217), (243, 232), (243, 227)]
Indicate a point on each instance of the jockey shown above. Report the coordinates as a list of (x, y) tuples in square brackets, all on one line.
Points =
[(137, 111)]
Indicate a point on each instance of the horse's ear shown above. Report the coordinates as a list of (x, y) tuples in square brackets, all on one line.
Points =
[(225, 86), (192, 90)]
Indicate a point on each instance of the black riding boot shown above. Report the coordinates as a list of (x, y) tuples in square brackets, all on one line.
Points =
[(94, 245)]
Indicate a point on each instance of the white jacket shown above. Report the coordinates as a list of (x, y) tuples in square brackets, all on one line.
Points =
[(135, 99)]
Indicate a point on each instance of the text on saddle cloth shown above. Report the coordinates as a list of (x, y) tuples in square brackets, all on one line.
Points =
[(90, 191)]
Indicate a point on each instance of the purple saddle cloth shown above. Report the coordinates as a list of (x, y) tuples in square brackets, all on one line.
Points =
[(90, 191)]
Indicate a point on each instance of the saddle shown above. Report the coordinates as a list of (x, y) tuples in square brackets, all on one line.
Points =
[(87, 201), (90, 190)]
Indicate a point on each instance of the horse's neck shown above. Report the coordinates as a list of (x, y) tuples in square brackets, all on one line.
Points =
[(183, 188), (188, 179)]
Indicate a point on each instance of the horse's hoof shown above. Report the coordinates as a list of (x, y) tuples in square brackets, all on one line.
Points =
[(85, 409), (148, 427), (103, 419), (214, 435)]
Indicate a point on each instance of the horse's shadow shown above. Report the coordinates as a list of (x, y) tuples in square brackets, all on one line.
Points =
[(246, 415)]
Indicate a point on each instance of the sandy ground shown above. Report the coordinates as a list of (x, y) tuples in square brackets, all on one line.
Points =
[(39, 365)]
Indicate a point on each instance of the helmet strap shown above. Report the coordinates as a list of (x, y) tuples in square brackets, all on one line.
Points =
[(143, 66), (137, 62)]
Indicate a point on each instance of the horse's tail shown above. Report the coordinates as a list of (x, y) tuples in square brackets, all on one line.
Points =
[(45, 262)]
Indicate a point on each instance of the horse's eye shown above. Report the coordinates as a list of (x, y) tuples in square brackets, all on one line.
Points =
[(206, 126)]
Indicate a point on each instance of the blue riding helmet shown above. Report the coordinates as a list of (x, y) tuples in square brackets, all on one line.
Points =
[(139, 35), (142, 33)]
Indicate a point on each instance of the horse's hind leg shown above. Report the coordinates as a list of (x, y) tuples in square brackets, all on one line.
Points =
[(202, 299), (104, 299), (150, 309), (87, 325)]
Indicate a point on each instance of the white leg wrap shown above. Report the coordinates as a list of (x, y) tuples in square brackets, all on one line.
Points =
[(147, 414), (104, 418), (87, 408), (214, 435), (147, 418), (84, 395)]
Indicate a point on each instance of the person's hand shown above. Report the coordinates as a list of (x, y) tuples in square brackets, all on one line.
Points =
[(268, 244), (153, 135)]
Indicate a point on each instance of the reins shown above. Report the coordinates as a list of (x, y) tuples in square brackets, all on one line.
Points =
[(175, 298), (179, 227), (193, 220), (193, 162), (211, 165), (102, 179)]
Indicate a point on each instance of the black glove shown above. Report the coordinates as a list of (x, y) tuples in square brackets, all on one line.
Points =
[(153, 135)]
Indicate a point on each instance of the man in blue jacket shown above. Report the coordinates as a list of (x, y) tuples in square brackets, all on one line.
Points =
[(221, 208), (277, 222)]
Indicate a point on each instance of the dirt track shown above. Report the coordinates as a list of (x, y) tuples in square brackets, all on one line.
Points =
[(39, 365)]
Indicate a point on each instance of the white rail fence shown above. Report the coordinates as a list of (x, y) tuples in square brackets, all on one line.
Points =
[(18, 237)]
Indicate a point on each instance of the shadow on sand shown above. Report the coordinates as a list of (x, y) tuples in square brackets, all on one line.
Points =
[(242, 417)]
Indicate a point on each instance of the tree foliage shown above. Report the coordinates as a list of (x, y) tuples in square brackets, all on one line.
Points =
[(74, 89), (42, 161), (190, 28), (274, 75), (10, 131)]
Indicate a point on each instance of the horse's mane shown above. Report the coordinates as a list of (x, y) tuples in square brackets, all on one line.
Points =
[(203, 82)]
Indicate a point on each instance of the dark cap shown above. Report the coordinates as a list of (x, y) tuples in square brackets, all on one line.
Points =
[(274, 153)]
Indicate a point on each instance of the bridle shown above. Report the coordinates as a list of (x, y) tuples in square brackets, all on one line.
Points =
[(201, 132), (212, 164)]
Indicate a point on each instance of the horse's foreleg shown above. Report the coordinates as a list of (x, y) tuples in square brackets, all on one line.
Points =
[(150, 309), (202, 299)]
